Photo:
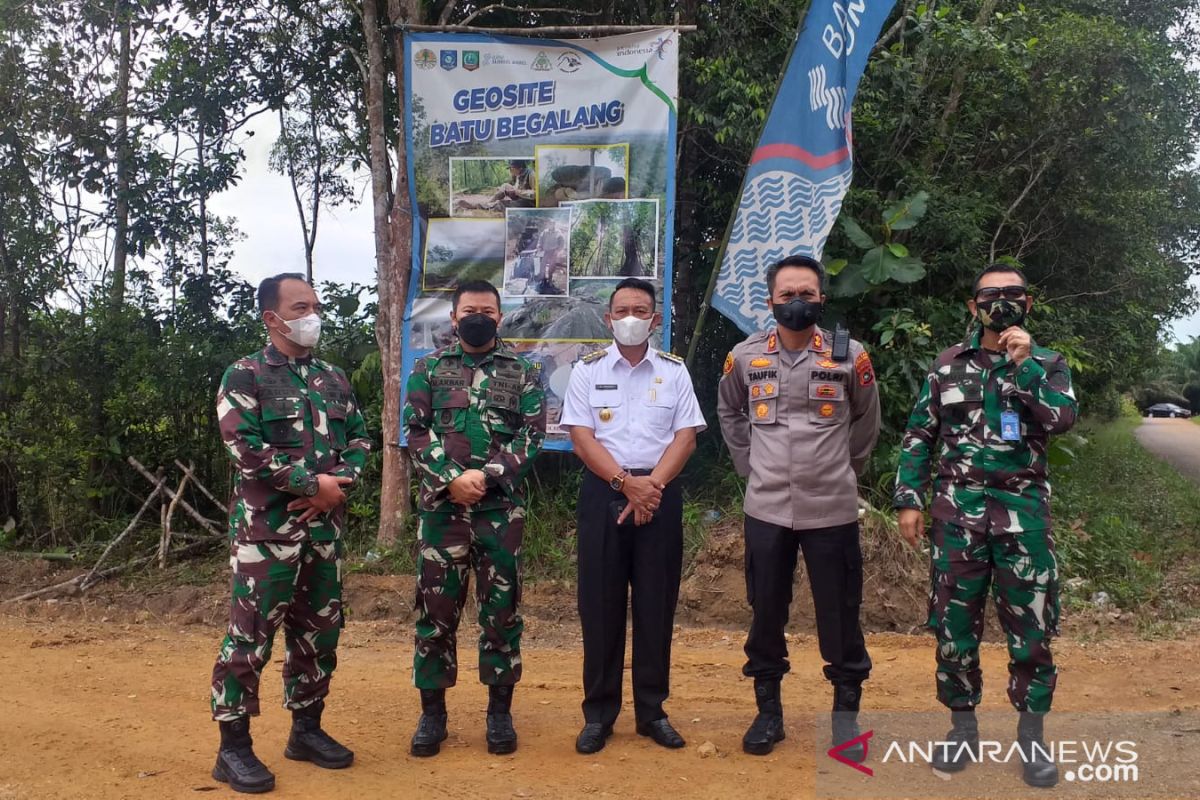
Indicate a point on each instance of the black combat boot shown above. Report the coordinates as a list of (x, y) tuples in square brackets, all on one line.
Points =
[(431, 727), (1038, 769), (846, 697), (236, 763), (309, 743), (962, 743), (501, 737), (767, 728)]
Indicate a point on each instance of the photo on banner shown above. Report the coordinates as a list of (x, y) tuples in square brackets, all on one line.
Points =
[(614, 238), (487, 187), (462, 250), (547, 168), (581, 172), (536, 248)]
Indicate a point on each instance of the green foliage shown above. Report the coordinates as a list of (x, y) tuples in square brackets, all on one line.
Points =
[(1176, 378), (1124, 519)]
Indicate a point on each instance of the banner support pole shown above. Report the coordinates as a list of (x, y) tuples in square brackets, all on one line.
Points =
[(716, 271)]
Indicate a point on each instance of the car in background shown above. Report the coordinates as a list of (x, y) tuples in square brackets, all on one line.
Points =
[(1168, 410)]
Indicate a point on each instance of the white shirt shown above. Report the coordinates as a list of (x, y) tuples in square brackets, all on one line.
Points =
[(635, 411)]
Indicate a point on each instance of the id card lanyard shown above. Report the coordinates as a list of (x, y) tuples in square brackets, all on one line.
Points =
[(1010, 420)]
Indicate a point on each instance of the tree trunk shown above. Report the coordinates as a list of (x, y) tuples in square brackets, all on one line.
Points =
[(121, 140), (393, 255)]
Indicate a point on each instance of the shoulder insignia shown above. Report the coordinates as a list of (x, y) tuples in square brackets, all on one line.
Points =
[(862, 366), (772, 343), (671, 357), (728, 368), (818, 342), (595, 355)]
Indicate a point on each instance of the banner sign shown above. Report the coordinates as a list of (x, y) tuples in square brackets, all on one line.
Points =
[(801, 169), (548, 168)]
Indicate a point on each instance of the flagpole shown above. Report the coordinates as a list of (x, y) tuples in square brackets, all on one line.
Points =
[(716, 271)]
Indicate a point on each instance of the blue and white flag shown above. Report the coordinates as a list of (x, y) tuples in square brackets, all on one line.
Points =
[(801, 169)]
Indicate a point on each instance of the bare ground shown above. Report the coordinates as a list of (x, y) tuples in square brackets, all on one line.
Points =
[(107, 694)]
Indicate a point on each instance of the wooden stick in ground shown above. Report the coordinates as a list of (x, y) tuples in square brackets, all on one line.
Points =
[(189, 470), (137, 562), (162, 532), (184, 504), (168, 514), (46, 590), (88, 580), (159, 485)]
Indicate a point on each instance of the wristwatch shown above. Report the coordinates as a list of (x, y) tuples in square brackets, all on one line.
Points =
[(312, 489), (617, 482)]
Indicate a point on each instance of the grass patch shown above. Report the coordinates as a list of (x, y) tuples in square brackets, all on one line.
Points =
[(1124, 519)]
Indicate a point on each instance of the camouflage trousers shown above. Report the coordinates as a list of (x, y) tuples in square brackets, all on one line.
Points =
[(452, 545), (294, 584), (1022, 573)]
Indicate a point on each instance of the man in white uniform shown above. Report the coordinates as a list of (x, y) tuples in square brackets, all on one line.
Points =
[(633, 418)]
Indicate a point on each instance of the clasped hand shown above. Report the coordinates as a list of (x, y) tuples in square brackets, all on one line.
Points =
[(328, 497), (644, 494)]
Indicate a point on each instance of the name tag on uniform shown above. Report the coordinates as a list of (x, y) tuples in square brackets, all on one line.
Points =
[(1010, 426), (606, 386)]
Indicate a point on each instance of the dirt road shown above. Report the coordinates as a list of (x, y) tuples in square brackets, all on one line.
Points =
[(101, 710), (1176, 441)]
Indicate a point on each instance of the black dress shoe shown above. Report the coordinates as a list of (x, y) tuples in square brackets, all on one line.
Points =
[(592, 738), (662, 733)]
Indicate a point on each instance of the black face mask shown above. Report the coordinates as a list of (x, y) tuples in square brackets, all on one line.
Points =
[(1000, 314), (477, 329), (796, 315)]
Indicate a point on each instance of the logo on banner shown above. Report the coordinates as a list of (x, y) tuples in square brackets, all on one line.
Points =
[(470, 60), (449, 59), (658, 48), (425, 59), (569, 62), (833, 100), (542, 62)]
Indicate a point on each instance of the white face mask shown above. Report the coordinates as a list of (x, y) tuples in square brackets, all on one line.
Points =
[(631, 331), (305, 331)]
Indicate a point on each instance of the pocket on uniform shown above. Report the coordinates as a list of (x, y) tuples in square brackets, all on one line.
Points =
[(763, 411), (960, 416), (660, 412), (500, 423), (826, 403), (283, 420), (606, 406), (244, 619), (337, 424)]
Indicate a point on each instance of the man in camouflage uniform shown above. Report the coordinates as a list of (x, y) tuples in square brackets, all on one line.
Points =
[(981, 425), (475, 419), (298, 440)]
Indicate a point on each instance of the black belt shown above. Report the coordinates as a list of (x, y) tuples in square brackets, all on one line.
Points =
[(640, 473)]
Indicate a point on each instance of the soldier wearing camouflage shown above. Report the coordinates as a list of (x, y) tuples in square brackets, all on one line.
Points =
[(979, 433), (471, 412), (297, 438)]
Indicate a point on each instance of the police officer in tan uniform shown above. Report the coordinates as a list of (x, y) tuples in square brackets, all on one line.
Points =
[(800, 415)]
